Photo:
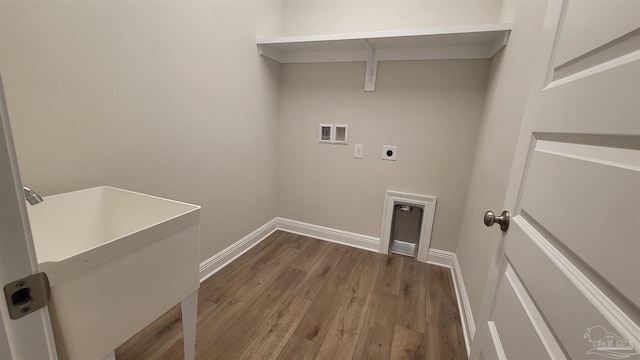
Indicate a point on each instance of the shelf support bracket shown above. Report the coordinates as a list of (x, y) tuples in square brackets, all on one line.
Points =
[(372, 68)]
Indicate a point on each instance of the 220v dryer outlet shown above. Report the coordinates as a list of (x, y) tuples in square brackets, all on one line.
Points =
[(389, 152)]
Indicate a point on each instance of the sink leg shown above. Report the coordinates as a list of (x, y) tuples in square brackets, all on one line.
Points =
[(189, 307)]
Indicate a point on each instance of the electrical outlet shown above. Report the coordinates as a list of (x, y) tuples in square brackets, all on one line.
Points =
[(357, 151), (389, 152)]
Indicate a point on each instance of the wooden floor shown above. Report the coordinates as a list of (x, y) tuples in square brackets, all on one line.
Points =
[(293, 297)]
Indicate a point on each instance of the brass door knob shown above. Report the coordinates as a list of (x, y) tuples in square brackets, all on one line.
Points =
[(490, 218)]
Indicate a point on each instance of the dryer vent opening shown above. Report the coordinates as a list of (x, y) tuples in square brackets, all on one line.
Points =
[(405, 229), (407, 222)]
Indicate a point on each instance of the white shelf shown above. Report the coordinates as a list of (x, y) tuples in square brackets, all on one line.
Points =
[(459, 42)]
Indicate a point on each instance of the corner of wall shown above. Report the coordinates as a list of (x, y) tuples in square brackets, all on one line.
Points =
[(511, 75), (235, 250)]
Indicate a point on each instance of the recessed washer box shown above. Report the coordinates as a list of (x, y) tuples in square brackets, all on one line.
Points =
[(333, 134), (326, 133), (341, 132), (389, 152)]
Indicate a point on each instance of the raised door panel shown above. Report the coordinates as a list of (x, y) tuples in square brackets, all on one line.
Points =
[(521, 329), (571, 303), (591, 25), (587, 198)]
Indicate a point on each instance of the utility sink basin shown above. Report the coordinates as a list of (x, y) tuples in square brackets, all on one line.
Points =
[(77, 231), (116, 261)]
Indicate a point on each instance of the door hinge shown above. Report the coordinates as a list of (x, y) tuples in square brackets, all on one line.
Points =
[(27, 295)]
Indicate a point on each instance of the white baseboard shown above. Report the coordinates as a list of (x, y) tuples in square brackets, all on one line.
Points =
[(441, 258), (328, 234), (435, 257), (221, 259), (450, 260)]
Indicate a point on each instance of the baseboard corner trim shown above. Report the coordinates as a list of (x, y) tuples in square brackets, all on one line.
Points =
[(450, 260), (233, 251), (360, 241)]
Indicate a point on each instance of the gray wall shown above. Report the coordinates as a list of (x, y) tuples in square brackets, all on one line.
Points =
[(166, 98), (341, 16), (430, 109), (511, 73), (171, 98)]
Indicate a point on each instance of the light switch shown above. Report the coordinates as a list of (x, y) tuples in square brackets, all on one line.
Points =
[(357, 151)]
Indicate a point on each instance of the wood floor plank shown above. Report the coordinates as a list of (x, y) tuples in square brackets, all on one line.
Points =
[(299, 349), (433, 341), (315, 324), (161, 335), (365, 258), (274, 240), (161, 332), (214, 325), (453, 320), (412, 302), (442, 339), (377, 332), (273, 337), (295, 241), (343, 334), (252, 306), (408, 344), (219, 289), (309, 255), (390, 273), (321, 272), (236, 337), (176, 352)]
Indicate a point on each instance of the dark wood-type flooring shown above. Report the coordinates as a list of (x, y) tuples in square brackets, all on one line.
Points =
[(294, 297)]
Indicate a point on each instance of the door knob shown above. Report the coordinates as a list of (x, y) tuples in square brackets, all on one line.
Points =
[(490, 218)]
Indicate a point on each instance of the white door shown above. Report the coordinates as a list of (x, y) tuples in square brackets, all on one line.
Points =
[(29, 337), (565, 278)]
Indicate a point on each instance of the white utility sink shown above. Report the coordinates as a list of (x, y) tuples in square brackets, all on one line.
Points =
[(116, 261)]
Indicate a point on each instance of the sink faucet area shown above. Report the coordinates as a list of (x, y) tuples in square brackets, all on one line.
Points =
[(31, 196), (110, 252)]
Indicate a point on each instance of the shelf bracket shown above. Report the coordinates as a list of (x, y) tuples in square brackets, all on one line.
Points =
[(372, 68)]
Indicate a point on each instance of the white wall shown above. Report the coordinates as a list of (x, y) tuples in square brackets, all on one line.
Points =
[(302, 17), (511, 73), (430, 109), (166, 98)]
